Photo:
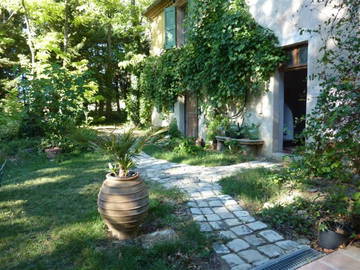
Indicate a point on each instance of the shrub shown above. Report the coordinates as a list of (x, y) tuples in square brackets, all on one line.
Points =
[(174, 132), (187, 146)]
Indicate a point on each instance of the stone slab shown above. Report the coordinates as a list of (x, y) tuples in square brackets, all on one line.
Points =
[(251, 256), (241, 230), (237, 245), (232, 260), (271, 236)]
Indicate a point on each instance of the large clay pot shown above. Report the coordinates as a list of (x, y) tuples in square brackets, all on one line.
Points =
[(123, 203)]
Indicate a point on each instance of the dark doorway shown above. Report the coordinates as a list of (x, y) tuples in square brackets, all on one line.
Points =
[(295, 91), (191, 116)]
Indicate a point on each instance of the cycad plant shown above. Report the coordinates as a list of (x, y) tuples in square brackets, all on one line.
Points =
[(123, 149)]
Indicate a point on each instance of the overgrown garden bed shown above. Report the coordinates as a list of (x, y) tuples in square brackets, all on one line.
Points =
[(294, 205)]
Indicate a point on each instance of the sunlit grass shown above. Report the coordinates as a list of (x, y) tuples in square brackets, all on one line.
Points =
[(204, 158), (49, 220)]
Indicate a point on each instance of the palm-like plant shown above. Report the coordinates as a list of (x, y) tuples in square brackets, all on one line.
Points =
[(123, 149)]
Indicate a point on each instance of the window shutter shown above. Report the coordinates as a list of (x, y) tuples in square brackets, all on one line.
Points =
[(170, 27)]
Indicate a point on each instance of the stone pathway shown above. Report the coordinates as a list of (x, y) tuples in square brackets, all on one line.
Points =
[(247, 242)]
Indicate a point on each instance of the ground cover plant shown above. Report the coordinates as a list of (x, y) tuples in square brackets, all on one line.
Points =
[(49, 220), (291, 203), (185, 151)]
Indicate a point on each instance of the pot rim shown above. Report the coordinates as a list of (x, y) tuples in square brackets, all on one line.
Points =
[(110, 176)]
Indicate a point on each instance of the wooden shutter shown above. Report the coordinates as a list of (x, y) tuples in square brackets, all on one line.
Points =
[(170, 27)]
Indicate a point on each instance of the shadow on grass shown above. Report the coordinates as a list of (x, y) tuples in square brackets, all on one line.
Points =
[(41, 204), (49, 220), (202, 158)]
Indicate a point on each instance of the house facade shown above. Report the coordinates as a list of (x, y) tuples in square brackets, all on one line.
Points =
[(291, 93)]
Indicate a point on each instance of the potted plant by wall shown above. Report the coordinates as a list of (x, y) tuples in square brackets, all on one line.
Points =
[(123, 198), (332, 234)]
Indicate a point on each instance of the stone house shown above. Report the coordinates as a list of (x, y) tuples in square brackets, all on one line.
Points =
[(291, 94)]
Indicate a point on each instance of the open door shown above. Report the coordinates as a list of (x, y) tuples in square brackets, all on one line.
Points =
[(191, 116)]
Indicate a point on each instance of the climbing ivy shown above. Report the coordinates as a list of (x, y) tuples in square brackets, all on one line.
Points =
[(161, 78), (227, 58)]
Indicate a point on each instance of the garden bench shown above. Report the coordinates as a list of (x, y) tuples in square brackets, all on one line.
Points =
[(253, 146)]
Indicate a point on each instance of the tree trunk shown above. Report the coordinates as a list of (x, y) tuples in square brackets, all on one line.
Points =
[(66, 32), (30, 40)]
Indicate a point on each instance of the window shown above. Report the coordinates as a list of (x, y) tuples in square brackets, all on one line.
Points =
[(170, 27), (297, 57)]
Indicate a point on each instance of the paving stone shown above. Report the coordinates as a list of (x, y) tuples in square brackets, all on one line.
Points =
[(215, 225), (191, 204), (271, 236), (224, 197), (247, 219), (244, 266), (241, 230), (271, 250), (251, 256), (215, 203), (207, 211), (254, 240), (234, 208), (232, 222), (202, 203), (256, 226), (226, 215), (227, 234), (287, 244), (219, 210), (232, 260), (230, 202), (199, 218), (207, 194), (205, 227), (237, 245), (195, 211), (212, 217), (220, 248), (241, 213)]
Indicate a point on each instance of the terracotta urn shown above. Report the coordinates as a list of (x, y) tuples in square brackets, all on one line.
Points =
[(123, 203)]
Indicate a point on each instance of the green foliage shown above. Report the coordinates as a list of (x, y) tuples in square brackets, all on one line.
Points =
[(173, 130), (55, 101), (123, 149), (165, 150), (333, 128), (187, 146), (161, 78), (231, 55), (227, 58), (254, 185), (217, 127), (11, 113), (19, 148)]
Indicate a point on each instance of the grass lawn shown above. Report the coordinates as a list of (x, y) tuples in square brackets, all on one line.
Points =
[(207, 158), (49, 220)]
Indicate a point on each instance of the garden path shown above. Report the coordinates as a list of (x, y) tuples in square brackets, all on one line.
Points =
[(247, 242)]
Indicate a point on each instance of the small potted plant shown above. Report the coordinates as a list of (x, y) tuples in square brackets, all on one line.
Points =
[(123, 198), (332, 234)]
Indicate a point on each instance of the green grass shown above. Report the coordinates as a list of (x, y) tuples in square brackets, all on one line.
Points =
[(207, 158), (253, 187), (49, 220)]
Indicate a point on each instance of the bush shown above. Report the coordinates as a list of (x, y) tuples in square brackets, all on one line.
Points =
[(19, 147), (187, 146), (217, 127), (11, 112), (174, 132)]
